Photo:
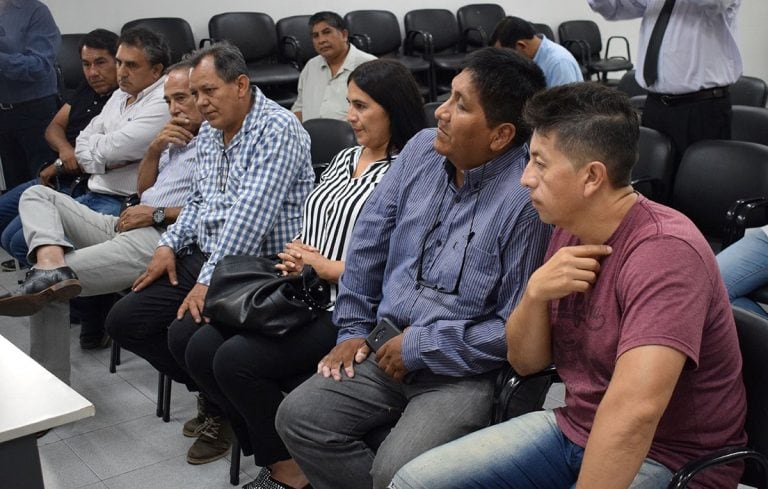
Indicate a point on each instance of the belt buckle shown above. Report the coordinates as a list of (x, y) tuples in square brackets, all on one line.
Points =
[(665, 99), (6, 106)]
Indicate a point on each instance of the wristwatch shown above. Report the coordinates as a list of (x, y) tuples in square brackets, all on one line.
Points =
[(158, 216), (59, 165)]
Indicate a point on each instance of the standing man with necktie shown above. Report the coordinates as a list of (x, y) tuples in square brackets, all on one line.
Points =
[(689, 58)]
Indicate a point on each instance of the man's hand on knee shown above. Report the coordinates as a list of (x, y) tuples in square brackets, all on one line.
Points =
[(344, 354), (163, 262)]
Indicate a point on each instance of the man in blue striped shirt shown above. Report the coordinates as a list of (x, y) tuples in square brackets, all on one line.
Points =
[(443, 249), (253, 173), (74, 247)]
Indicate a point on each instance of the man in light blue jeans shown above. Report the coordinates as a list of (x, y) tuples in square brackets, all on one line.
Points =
[(630, 308)]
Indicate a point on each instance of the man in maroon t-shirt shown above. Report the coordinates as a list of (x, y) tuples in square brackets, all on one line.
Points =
[(629, 306)]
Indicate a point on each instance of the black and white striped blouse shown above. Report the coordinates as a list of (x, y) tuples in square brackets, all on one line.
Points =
[(331, 209)]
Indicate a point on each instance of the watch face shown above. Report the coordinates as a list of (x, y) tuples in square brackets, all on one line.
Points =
[(158, 216)]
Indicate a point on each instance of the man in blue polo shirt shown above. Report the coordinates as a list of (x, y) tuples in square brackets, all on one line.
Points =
[(557, 63)]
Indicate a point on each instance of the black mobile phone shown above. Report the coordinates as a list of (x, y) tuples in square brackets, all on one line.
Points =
[(383, 332)]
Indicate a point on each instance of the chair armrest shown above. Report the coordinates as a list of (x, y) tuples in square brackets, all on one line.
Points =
[(721, 457), (626, 44), (361, 41), (479, 29), (657, 186), (737, 216), (426, 37), (509, 383)]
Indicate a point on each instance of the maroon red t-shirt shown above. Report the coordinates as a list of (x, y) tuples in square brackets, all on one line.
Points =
[(660, 286)]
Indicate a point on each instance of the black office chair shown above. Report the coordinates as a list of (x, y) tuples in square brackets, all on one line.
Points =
[(753, 342), (294, 40), (378, 32), (477, 22), (176, 31), (254, 33), (712, 177), (652, 174), (583, 39), (328, 137), (749, 90), (546, 30), (70, 68), (749, 124), (435, 33)]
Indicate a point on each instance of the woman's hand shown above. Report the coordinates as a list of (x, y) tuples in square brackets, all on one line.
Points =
[(298, 254)]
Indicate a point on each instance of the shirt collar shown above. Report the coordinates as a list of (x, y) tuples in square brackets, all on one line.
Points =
[(349, 60), (250, 122), (150, 88), (486, 172)]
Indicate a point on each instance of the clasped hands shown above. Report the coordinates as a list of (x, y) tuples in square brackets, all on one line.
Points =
[(344, 355)]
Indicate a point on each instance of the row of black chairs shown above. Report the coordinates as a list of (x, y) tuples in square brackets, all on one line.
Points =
[(433, 48)]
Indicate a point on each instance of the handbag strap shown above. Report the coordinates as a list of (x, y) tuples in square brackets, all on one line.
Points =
[(315, 292)]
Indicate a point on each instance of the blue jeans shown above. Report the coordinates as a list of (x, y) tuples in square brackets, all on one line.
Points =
[(527, 452), (12, 237), (744, 267)]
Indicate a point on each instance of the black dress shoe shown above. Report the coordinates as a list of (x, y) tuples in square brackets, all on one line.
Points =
[(38, 288)]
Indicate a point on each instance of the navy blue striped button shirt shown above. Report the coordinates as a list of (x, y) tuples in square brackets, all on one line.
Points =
[(460, 334)]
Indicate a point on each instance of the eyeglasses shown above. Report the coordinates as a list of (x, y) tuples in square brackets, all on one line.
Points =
[(223, 171), (435, 225)]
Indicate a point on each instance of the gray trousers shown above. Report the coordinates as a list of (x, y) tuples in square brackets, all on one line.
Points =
[(104, 260), (323, 422)]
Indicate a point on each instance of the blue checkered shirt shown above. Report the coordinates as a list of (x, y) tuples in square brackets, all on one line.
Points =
[(248, 202), (418, 207)]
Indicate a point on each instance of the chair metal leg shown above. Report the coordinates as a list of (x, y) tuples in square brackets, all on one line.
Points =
[(234, 466), (167, 399), (160, 390), (114, 358)]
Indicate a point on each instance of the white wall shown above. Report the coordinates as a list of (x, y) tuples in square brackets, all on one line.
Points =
[(84, 15)]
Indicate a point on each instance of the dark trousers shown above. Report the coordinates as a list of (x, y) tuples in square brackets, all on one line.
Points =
[(139, 321), (687, 123), (245, 374), (23, 148)]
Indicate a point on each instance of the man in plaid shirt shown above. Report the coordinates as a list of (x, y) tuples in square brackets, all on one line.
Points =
[(254, 172)]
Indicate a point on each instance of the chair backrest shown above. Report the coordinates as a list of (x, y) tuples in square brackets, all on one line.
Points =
[(70, 66), (749, 124), (713, 175), (749, 90), (176, 31), (478, 17), (253, 33), (328, 137), (440, 23), (585, 30), (380, 27), (628, 84), (546, 30), (656, 162), (294, 38), (753, 341)]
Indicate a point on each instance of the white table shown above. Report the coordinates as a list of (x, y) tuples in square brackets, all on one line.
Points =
[(31, 400)]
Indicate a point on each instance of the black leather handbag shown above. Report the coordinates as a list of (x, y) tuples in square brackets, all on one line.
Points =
[(246, 292)]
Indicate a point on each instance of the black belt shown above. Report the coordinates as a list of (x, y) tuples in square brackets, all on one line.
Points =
[(686, 98), (21, 105)]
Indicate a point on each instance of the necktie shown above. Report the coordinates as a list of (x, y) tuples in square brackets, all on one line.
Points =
[(651, 65)]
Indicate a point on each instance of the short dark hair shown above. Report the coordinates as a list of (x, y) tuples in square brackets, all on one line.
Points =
[(504, 81), (592, 123), (227, 59), (509, 30), (154, 45), (331, 18), (100, 39), (392, 86)]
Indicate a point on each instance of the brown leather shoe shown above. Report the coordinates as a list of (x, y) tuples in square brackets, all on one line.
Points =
[(212, 443)]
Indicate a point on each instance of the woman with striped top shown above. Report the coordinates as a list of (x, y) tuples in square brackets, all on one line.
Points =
[(245, 374)]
